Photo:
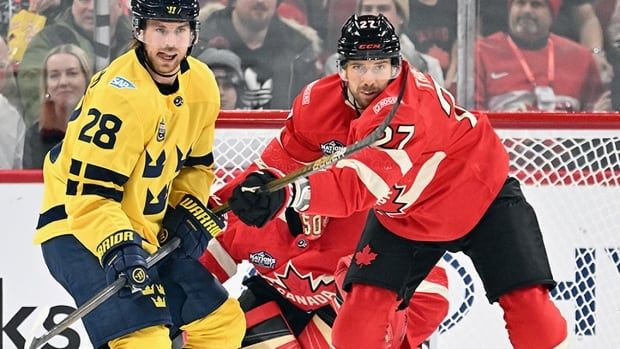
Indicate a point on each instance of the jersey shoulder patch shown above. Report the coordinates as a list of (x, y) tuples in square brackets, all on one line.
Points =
[(121, 83)]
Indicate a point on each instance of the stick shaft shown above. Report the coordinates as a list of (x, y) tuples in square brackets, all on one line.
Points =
[(102, 296), (327, 160)]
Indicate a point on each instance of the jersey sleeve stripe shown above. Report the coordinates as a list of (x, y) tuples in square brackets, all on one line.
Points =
[(75, 167), (222, 257), (71, 187), (423, 179), (206, 160), (401, 158), (108, 193), (375, 184), (55, 213), (105, 175)]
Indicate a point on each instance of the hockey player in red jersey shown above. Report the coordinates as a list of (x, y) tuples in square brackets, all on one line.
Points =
[(438, 180), (291, 302)]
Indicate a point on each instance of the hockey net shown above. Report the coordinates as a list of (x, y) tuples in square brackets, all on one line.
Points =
[(569, 166)]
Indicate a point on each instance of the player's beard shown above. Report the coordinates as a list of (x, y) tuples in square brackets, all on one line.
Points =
[(364, 95)]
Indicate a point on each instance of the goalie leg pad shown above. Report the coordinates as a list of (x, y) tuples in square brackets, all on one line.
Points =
[(532, 320), (267, 328), (364, 319), (316, 335)]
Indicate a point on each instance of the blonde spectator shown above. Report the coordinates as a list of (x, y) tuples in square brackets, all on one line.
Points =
[(76, 26), (12, 126), (66, 72)]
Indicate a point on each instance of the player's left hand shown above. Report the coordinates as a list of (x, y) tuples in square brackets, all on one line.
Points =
[(256, 207), (127, 258), (193, 223)]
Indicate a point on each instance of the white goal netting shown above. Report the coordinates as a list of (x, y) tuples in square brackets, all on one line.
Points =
[(571, 175)]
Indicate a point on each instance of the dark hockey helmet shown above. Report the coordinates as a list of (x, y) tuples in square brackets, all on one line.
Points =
[(166, 10), (368, 37)]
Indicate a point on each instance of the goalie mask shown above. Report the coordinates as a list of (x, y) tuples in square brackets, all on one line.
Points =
[(369, 37), (167, 10)]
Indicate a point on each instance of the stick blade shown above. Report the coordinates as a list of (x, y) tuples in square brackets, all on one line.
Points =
[(32, 341)]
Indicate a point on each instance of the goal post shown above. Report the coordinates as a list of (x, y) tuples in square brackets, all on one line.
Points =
[(569, 167)]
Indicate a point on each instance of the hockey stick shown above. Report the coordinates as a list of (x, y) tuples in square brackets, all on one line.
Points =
[(330, 159), (277, 184), (101, 296)]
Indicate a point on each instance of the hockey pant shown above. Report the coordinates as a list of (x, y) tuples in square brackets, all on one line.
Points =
[(222, 329)]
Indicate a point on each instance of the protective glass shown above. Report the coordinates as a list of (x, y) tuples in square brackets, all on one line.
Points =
[(378, 69)]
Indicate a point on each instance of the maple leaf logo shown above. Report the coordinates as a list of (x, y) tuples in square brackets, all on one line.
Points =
[(365, 256), (293, 280)]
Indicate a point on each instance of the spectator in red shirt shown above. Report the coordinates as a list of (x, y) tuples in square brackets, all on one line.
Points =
[(530, 68)]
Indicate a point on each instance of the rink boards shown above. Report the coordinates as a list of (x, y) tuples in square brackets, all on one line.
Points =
[(580, 224)]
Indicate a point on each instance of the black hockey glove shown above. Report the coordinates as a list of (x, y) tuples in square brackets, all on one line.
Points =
[(193, 223), (122, 254), (255, 207)]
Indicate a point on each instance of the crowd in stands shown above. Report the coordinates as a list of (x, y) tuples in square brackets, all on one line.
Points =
[(546, 55)]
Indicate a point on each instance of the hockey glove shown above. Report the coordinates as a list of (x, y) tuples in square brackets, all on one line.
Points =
[(255, 207), (122, 254), (193, 223)]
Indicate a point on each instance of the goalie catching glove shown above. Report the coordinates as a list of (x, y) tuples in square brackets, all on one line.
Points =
[(122, 254), (193, 223), (255, 206)]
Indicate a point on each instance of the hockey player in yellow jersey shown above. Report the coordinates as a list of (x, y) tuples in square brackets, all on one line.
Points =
[(135, 168)]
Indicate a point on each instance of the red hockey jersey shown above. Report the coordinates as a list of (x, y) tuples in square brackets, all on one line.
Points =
[(299, 268), (431, 177)]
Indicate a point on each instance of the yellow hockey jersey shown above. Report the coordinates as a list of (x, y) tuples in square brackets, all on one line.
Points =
[(130, 150)]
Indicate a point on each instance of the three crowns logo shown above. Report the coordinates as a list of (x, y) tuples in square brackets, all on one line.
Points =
[(157, 294)]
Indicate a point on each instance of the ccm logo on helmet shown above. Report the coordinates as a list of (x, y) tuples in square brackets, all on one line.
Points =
[(368, 46)]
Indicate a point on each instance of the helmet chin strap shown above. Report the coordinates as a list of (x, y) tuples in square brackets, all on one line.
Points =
[(349, 98)]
